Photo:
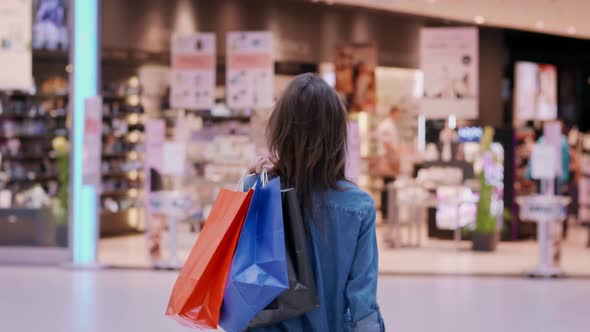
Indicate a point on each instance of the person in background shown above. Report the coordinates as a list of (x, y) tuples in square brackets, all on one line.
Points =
[(389, 151), (306, 136)]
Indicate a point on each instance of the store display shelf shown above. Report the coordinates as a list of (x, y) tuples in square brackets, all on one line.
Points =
[(33, 179), (218, 118), (36, 96), (118, 193), (118, 175), (114, 155), (27, 137), (25, 156), (25, 117), (113, 97), (119, 223), (121, 115), (50, 55)]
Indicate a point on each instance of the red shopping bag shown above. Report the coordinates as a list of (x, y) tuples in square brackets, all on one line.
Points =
[(198, 292)]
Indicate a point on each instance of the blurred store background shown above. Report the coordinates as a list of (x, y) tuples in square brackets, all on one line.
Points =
[(120, 120)]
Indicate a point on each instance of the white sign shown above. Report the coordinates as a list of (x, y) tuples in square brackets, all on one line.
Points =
[(449, 59), (92, 154), (250, 70), (543, 161), (542, 208), (16, 62), (173, 158), (193, 71), (155, 135)]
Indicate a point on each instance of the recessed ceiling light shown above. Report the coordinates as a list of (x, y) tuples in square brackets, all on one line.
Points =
[(572, 30), (479, 19), (540, 25), (431, 1)]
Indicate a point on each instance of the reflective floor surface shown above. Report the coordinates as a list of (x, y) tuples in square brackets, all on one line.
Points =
[(58, 300)]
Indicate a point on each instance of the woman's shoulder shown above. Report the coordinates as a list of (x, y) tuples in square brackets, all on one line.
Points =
[(349, 197)]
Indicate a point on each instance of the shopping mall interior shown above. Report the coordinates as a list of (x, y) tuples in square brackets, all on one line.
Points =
[(121, 121)]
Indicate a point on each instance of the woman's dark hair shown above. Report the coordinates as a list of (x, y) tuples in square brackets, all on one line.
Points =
[(306, 135)]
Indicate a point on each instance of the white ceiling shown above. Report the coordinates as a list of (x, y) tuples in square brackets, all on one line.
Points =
[(560, 17)]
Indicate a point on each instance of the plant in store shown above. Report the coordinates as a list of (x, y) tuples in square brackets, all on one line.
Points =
[(486, 232), (60, 204)]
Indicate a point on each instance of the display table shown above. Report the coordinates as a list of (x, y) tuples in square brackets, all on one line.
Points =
[(407, 201), (548, 212)]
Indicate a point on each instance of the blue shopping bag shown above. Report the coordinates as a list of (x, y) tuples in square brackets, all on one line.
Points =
[(258, 274)]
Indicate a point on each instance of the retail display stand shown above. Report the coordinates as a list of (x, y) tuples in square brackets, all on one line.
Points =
[(407, 202), (548, 211)]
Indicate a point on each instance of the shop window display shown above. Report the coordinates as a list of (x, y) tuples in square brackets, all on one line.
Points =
[(34, 161), (122, 165)]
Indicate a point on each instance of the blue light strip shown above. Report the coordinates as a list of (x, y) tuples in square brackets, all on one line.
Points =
[(85, 54)]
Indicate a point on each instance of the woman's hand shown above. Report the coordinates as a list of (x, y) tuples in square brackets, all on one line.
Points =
[(263, 161)]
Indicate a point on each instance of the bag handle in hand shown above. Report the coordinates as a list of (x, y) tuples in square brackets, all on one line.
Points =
[(262, 178)]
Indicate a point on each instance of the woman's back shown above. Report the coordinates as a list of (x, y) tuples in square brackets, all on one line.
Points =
[(306, 136), (345, 263)]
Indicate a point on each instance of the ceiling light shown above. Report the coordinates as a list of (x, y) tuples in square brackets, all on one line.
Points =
[(479, 19), (431, 1), (571, 30), (540, 25)]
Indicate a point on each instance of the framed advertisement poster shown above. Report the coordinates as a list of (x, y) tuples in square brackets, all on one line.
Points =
[(250, 70), (355, 76), (535, 92), (449, 59), (192, 83)]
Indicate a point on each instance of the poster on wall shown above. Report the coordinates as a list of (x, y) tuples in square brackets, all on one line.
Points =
[(250, 70), (449, 59), (535, 92), (355, 76), (192, 83), (92, 155), (50, 30), (16, 62)]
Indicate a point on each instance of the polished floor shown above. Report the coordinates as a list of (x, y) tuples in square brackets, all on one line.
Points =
[(59, 300), (433, 257)]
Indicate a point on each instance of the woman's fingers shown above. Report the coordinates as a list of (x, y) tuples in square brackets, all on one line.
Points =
[(263, 162), (260, 165)]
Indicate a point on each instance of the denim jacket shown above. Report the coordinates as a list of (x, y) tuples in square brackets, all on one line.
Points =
[(344, 242)]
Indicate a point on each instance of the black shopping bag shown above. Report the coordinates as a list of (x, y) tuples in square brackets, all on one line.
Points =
[(301, 296)]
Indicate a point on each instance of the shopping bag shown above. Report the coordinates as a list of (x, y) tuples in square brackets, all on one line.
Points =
[(198, 292), (259, 270), (301, 296)]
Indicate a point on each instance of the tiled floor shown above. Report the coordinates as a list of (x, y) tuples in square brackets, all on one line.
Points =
[(434, 257), (58, 300)]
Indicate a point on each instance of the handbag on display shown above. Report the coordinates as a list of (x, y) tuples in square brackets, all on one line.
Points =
[(198, 292), (301, 297), (259, 269)]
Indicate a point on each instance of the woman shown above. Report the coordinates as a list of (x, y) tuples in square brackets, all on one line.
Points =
[(306, 136)]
